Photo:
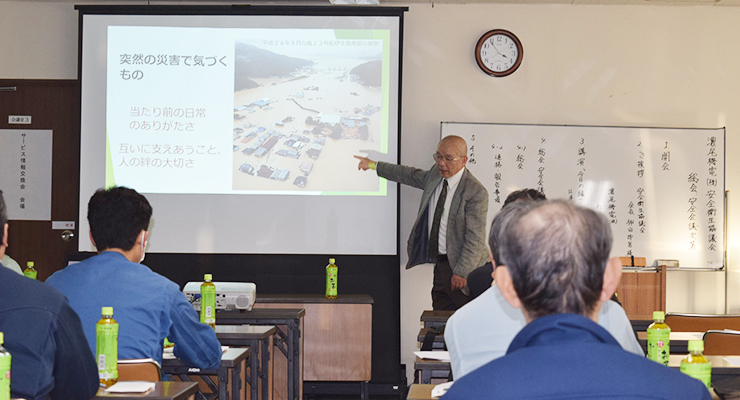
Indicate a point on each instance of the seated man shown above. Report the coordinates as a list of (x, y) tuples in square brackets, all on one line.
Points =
[(147, 306), (556, 267), (481, 278), (11, 264), (482, 330), (44, 336)]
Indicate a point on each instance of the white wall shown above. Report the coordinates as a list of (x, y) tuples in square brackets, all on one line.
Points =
[(38, 40), (666, 66)]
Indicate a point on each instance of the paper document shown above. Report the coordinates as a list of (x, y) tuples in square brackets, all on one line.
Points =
[(734, 360), (441, 389), (433, 355), (686, 335), (131, 387), (168, 353)]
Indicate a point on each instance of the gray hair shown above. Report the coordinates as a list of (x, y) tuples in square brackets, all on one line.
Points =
[(556, 252)]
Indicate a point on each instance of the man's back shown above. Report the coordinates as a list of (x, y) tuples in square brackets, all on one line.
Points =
[(44, 336), (566, 356), (147, 306), (482, 330)]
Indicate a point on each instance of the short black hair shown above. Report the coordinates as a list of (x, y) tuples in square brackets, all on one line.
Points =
[(117, 215), (496, 224), (3, 212), (3, 218), (494, 238), (524, 194), (556, 252)]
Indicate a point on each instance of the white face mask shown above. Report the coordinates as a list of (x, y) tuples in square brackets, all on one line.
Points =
[(143, 253)]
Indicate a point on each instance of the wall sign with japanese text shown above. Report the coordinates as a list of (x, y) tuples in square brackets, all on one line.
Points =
[(25, 173), (661, 188)]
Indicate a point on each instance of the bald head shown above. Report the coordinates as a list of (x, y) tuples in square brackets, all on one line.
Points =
[(456, 144), (451, 155)]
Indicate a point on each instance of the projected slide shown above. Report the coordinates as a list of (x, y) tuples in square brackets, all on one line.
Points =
[(240, 128), (259, 111)]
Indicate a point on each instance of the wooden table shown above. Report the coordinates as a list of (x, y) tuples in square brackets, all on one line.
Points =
[(288, 341), (259, 340), (419, 391), (721, 369), (437, 344), (337, 339), (162, 391), (679, 341), (435, 318), (425, 370), (230, 367)]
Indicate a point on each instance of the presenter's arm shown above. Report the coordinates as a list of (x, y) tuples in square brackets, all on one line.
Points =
[(397, 173), (75, 370), (195, 343), (474, 242)]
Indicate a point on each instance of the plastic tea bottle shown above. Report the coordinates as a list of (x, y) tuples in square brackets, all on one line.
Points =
[(331, 279), (208, 301), (695, 364), (658, 342), (106, 338), (30, 271), (4, 370)]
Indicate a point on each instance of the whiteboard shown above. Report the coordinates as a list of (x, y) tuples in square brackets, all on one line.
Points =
[(662, 189)]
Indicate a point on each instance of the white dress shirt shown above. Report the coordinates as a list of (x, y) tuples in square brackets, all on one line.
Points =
[(452, 183)]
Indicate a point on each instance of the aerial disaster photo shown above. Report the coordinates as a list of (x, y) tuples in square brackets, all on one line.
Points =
[(302, 109)]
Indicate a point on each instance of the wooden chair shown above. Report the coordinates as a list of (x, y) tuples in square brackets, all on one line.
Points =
[(141, 369), (702, 322), (722, 343)]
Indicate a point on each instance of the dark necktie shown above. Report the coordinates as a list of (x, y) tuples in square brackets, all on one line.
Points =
[(434, 234)]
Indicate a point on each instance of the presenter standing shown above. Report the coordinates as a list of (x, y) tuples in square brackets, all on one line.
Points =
[(450, 227)]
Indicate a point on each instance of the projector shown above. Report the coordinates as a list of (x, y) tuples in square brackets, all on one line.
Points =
[(229, 295)]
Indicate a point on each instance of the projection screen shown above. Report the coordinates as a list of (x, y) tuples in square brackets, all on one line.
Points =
[(239, 124)]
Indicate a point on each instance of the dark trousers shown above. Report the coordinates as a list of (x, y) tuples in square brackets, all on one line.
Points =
[(443, 297)]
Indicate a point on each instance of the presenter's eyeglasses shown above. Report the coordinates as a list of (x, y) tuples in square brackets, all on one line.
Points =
[(438, 157)]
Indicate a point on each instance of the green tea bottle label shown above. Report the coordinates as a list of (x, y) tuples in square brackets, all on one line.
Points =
[(107, 350), (331, 279), (30, 271), (658, 345), (5, 359), (700, 371), (208, 301)]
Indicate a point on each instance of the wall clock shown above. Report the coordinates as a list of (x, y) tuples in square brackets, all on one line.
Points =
[(499, 53)]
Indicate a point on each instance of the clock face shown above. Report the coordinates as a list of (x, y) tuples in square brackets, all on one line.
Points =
[(499, 53)]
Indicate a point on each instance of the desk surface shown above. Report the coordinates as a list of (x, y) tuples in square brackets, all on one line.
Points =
[(229, 359), (718, 363), (676, 336), (261, 314), (436, 315), (423, 363), (162, 391), (314, 298), (250, 332), (420, 391)]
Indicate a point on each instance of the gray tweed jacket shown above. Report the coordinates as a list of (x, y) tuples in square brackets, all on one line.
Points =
[(466, 226)]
